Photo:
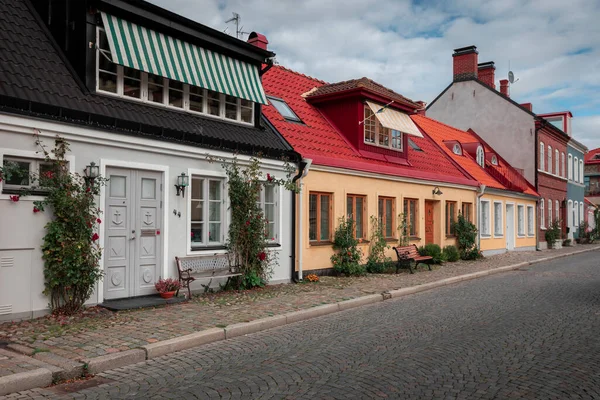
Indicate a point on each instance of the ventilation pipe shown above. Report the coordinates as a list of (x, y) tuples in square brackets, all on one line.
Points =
[(304, 167)]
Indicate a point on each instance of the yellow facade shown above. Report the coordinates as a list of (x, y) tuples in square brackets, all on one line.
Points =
[(498, 241), (342, 184)]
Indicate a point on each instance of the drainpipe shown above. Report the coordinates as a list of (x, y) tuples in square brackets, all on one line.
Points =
[(304, 167), (478, 207)]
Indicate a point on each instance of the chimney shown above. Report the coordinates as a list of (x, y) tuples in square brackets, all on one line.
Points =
[(258, 40), (465, 63), (504, 87), (486, 73), (528, 106), (422, 105)]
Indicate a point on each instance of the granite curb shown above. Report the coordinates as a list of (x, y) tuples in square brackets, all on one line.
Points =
[(43, 376)]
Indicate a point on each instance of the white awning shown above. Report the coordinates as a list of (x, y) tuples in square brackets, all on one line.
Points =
[(395, 120)]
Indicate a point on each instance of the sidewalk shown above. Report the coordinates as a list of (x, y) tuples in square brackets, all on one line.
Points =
[(101, 339)]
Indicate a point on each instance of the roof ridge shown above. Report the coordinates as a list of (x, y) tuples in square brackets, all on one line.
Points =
[(441, 123), (301, 74)]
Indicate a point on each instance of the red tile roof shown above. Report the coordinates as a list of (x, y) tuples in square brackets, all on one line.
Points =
[(592, 156), (364, 83), (441, 133), (317, 139)]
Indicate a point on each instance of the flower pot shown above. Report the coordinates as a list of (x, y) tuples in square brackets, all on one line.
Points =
[(167, 295)]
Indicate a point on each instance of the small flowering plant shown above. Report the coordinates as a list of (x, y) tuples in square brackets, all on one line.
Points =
[(312, 278), (167, 285)]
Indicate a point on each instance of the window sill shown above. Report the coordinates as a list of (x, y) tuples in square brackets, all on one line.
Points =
[(319, 244), (273, 245), (450, 236), (498, 236), (415, 238), (208, 248), (391, 239), (486, 236), (363, 241)]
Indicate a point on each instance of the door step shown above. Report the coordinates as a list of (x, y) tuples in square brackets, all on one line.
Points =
[(131, 303)]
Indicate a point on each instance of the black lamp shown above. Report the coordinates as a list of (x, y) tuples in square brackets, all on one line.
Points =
[(436, 190), (91, 172), (182, 183)]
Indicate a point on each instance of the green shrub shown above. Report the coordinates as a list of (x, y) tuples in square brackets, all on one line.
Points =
[(451, 253), (553, 234), (347, 259), (377, 262), (466, 238), (432, 250)]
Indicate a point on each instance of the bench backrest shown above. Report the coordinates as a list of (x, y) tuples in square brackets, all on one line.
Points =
[(407, 251), (203, 263)]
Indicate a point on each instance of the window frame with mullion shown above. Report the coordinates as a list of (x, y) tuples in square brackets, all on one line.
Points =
[(318, 218), (382, 208), (449, 221), (352, 214), (413, 226)]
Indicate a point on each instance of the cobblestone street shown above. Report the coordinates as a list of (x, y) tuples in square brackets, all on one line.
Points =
[(531, 333)]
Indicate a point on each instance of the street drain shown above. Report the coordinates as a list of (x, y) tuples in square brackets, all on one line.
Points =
[(76, 386)]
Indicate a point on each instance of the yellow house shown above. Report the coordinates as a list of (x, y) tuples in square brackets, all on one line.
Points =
[(506, 202), (367, 158)]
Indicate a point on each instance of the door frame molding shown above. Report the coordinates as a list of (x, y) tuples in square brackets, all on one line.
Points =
[(514, 223), (107, 163)]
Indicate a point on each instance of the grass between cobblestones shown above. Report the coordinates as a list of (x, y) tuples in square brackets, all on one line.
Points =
[(97, 331)]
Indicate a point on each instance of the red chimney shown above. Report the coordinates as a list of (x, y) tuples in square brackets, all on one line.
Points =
[(422, 105), (486, 73), (465, 63), (528, 106), (504, 87), (258, 40)]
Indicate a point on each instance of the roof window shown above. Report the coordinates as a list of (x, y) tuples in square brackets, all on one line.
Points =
[(413, 145), (480, 156), (494, 160), (285, 110), (456, 149)]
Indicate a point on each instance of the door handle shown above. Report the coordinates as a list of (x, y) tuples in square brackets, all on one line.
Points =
[(132, 237)]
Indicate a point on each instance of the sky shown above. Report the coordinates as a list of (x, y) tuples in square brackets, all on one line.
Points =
[(552, 46)]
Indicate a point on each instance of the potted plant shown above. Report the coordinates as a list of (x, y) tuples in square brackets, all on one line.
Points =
[(167, 287)]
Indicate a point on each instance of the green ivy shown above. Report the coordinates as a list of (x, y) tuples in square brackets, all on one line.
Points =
[(70, 247), (347, 259)]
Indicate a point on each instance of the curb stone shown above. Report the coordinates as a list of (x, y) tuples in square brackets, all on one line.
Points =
[(69, 369), (43, 376)]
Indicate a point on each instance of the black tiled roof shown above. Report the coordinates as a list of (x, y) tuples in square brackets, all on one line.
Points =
[(35, 80)]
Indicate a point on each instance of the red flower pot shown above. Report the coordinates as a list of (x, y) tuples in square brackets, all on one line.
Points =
[(167, 295)]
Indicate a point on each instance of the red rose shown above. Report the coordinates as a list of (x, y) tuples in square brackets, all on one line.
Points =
[(36, 210), (262, 256), (87, 190), (98, 220), (49, 174), (95, 237), (89, 224), (14, 198), (270, 178), (247, 223)]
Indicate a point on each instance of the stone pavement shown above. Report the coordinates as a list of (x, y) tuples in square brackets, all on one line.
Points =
[(528, 334), (99, 332)]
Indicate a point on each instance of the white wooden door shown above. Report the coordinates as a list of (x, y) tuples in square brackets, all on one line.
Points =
[(133, 244)]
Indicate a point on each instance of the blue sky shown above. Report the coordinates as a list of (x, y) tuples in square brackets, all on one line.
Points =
[(553, 46)]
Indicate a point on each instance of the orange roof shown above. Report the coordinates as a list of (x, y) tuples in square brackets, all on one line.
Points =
[(442, 133)]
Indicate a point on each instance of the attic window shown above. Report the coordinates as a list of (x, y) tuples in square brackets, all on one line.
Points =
[(414, 145), (285, 110), (456, 149), (480, 156), (494, 160), (597, 156)]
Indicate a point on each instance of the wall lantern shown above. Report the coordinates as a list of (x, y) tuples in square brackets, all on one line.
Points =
[(91, 172), (437, 191), (182, 183)]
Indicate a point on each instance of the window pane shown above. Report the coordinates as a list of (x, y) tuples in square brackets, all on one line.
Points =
[(312, 217), (176, 94), (132, 83), (105, 64), (214, 190), (389, 229), (396, 139), (230, 107), (214, 232), (214, 211), (246, 114), (271, 231), (196, 99), (285, 111), (384, 136), (197, 229), (324, 217), (358, 218), (369, 125), (214, 103), (20, 174), (269, 194), (349, 208), (413, 217), (197, 210), (107, 82), (270, 212), (197, 188)]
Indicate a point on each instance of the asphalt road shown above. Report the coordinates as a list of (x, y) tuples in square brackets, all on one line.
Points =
[(532, 334)]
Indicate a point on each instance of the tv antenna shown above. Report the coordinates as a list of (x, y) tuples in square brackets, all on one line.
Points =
[(238, 30), (511, 77)]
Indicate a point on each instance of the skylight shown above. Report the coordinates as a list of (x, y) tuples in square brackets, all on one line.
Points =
[(456, 149), (285, 110), (414, 145)]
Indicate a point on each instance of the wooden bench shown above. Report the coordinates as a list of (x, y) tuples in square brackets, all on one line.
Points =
[(407, 254), (203, 266)]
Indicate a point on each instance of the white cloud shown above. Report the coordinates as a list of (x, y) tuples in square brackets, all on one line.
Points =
[(587, 130), (407, 46)]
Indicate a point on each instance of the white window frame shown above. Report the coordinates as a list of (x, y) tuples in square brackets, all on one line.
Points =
[(494, 160), (549, 164), (581, 216), (542, 159), (562, 159), (575, 169), (165, 101), (378, 125), (480, 156), (542, 215), (276, 205), (557, 210), (520, 220), (570, 167), (550, 216), (500, 222), (530, 221), (206, 244), (581, 174), (556, 163), (570, 215), (485, 218), (456, 149)]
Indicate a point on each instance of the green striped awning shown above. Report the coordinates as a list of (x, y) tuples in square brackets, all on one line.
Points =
[(143, 49)]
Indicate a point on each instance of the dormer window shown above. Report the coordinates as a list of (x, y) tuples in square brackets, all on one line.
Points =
[(377, 134), (480, 156), (285, 110), (456, 149), (158, 69), (494, 160)]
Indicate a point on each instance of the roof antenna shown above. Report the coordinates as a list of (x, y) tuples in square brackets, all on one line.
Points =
[(511, 77), (239, 32)]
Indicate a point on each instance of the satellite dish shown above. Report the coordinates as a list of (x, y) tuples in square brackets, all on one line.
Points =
[(511, 77)]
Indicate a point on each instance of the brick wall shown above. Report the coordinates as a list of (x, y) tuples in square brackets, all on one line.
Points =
[(465, 66)]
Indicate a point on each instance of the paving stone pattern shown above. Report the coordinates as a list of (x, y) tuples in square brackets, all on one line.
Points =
[(12, 363), (103, 332), (526, 334)]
